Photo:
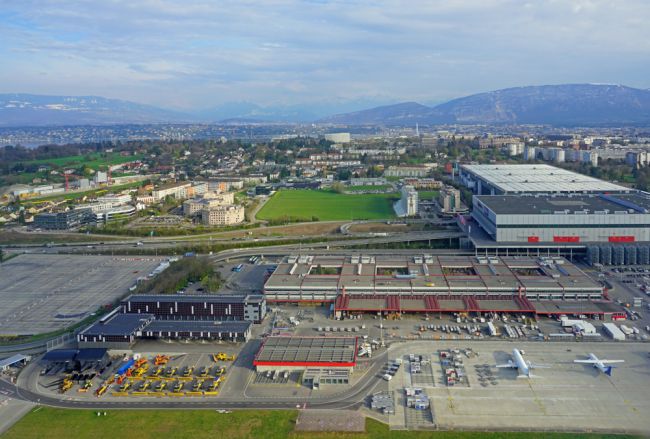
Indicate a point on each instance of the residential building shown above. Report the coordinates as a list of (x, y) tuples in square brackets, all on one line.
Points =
[(408, 203), (423, 183), (449, 199), (222, 215), (176, 190), (210, 200), (407, 171)]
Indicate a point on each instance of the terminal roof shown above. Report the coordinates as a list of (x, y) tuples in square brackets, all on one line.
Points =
[(540, 178), (554, 204)]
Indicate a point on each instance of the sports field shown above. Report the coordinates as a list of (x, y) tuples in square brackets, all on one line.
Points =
[(308, 205), (93, 160), (51, 423)]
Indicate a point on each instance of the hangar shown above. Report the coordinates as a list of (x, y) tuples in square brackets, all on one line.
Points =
[(300, 353)]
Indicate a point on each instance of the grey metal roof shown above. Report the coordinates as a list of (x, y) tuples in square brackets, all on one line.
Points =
[(195, 298), (550, 204), (540, 178), (197, 326), (308, 349), (120, 325), (12, 360)]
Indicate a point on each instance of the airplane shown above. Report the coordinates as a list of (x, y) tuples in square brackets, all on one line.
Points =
[(524, 367), (601, 365)]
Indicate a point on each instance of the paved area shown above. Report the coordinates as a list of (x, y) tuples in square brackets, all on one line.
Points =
[(43, 293), (330, 420), (567, 396), (11, 410)]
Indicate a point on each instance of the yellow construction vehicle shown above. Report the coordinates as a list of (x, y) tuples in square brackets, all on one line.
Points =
[(160, 360), (125, 386), (187, 371), (102, 389), (203, 372), (157, 372), (222, 356), (179, 386), (170, 372), (87, 385), (161, 386), (66, 385), (140, 371), (197, 385), (144, 386), (219, 370)]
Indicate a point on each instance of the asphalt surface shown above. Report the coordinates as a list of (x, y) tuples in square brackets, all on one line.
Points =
[(352, 400)]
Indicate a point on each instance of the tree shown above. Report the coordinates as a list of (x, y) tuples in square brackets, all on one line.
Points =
[(338, 187)]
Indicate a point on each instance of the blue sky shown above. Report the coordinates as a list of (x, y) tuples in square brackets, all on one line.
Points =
[(190, 54)]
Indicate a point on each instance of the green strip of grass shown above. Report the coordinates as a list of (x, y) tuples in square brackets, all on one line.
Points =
[(53, 423)]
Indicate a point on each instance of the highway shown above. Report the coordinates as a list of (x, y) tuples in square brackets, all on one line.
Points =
[(274, 250)]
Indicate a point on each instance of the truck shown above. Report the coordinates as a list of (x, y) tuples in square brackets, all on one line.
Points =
[(626, 330)]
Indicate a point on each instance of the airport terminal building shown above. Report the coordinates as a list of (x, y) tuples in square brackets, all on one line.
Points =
[(429, 283), (564, 218)]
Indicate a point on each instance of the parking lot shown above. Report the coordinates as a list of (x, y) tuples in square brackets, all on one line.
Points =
[(43, 293)]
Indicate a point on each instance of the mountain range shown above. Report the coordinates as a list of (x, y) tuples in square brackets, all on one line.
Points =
[(567, 105)]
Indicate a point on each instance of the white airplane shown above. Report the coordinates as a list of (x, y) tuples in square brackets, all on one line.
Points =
[(601, 365), (523, 367)]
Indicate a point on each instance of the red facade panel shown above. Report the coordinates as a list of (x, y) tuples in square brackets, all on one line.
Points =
[(302, 363), (566, 239), (533, 239), (621, 239)]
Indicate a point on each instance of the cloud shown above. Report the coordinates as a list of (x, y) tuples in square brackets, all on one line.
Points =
[(198, 53)]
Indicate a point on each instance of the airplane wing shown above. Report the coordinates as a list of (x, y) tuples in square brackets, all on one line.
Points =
[(511, 364), (598, 361), (540, 366)]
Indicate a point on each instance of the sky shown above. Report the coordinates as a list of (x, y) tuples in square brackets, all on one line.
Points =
[(195, 54)]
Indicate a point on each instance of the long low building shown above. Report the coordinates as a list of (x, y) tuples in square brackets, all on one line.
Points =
[(436, 284), (300, 353), (323, 278), (245, 307), (118, 330), (564, 218), (526, 179)]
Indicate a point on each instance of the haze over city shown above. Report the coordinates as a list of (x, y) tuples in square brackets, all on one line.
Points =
[(338, 55)]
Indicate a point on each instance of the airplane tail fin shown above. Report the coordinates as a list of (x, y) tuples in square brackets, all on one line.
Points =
[(608, 370)]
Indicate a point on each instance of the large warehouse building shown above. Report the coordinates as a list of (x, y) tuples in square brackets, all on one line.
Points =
[(251, 307), (564, 218), (300, 353), (530, 179), (166, 316), (428, 283)]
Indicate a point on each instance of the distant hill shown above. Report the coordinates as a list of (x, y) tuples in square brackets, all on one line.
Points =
[(40, 110), (569, 104), (406, 113)]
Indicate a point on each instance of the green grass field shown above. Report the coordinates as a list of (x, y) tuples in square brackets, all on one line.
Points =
[(198, 424), (327, 206), (428, 195), (95, 161)]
